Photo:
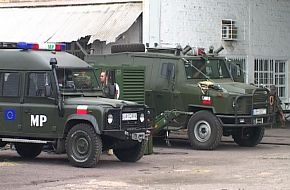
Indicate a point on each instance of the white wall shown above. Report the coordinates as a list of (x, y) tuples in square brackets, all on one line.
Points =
[(263, 26)]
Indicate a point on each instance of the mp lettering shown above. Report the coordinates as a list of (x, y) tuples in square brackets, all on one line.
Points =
[(37, 120)]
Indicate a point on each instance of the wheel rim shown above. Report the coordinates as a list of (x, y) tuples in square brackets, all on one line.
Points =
[(202, 131), (80, 146)]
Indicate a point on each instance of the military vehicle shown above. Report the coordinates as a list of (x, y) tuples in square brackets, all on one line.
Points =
[(53, 98), (193, 90)]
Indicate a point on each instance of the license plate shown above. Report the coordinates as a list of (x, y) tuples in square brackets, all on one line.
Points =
[(260, 111), (129, 116), (259, 121)]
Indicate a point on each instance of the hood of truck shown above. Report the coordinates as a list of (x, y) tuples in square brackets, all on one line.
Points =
[(237, 88), (97, 101)]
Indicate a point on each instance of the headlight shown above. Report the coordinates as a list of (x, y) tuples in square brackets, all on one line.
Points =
[(110, 118), (142, 117)]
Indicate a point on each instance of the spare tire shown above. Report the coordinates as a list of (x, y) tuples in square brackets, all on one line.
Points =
[(117, 48)]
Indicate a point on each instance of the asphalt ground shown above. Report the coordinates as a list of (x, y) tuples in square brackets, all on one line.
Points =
[(229, 167)]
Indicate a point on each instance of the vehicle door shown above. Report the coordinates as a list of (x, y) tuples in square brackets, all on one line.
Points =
[(10, 106), (40, 111), (165, 85)]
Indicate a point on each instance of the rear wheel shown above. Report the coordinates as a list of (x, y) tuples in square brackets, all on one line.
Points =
[(132, 154), (83, 146), (249, 137), (28, 150), (204, 131)]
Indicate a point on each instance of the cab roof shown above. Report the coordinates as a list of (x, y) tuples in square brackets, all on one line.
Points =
[(36, 60)]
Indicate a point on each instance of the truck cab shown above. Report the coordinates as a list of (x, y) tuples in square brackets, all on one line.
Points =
[(198, 90), (52, 97)]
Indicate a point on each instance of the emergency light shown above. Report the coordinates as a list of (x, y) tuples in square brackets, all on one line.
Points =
[(33, 46), (44, 46)]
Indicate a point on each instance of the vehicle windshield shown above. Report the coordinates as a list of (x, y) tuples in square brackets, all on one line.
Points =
[(206, 69), (77, 79)]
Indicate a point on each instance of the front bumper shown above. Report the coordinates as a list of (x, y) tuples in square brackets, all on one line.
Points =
[(135, 134), (245, 120)]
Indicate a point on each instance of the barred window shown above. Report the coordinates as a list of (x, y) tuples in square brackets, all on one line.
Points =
[(271, 72)]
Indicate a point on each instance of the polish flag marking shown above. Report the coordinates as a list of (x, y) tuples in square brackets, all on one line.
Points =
[(82, 109), (206, 100)]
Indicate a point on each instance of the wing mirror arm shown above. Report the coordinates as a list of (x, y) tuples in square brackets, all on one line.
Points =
[(53, 63)]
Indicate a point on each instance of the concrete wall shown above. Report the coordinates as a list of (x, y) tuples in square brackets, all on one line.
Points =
[(263, 27), (262, 24)]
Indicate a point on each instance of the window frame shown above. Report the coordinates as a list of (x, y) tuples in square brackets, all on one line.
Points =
[(2, 75), (51, 81)]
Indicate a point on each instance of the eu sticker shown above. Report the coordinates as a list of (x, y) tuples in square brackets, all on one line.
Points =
[(10, 114)]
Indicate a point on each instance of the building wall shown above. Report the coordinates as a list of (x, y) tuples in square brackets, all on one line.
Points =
[(263, 29)]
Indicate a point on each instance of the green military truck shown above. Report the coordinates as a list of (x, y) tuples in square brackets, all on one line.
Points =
[(54, 98), (193, 90)]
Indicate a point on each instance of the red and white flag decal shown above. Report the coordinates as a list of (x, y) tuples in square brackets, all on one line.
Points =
[(206, 100), (82, 109)]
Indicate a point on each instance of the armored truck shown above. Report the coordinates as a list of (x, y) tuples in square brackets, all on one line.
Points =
[(193, 90), (52, 98)]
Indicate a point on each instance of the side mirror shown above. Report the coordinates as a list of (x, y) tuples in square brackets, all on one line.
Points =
[(47, 91)]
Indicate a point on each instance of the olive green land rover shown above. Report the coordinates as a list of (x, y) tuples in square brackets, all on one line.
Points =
[(53, 98)]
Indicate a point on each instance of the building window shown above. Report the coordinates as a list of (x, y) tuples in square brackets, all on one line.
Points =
[(229, 30), (271, 72)]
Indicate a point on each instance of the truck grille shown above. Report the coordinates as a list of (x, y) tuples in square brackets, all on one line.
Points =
[(258, 99), (135, 123), (133, 85), (119, 124)]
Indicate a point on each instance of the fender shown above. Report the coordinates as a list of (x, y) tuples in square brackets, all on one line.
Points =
[(195, 108), (86, 117)]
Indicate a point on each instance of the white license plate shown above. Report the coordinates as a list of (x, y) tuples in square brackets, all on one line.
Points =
[(259, 121), (129, 116), (260, 111)]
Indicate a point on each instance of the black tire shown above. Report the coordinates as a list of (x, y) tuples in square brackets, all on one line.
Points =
[(2, 144), (28, 150), (204, 131), (117, 48), (83, 146), (249, 137), (132, 154)]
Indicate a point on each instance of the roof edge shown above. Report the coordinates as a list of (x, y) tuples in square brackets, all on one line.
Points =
[(64, 3)]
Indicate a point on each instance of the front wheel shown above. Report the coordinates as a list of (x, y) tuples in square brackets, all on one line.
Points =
[(83, 146), (132, 154), (249, 137), (27, 150), (2, 144), (204, 131)]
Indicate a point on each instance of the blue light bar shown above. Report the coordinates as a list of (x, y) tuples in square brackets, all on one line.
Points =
[(33, 46), (24, 45)]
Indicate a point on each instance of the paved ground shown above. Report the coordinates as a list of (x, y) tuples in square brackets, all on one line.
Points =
[(230, 167)]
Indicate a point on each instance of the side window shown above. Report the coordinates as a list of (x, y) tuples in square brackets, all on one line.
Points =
[(167, 70), (39, 85), (9, 84)]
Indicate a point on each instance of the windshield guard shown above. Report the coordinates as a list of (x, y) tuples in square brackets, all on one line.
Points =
[(206, 69)]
